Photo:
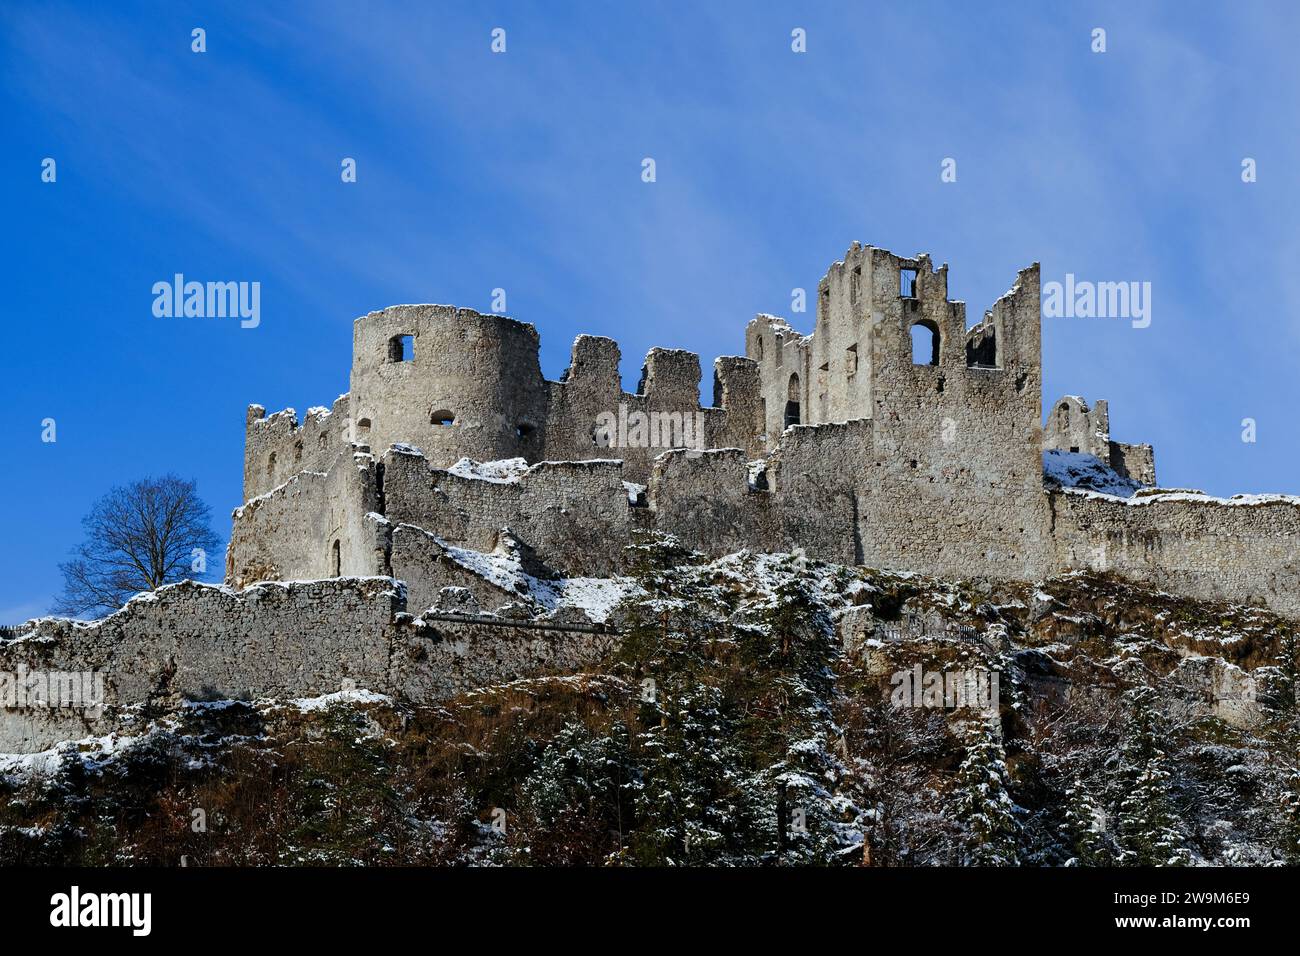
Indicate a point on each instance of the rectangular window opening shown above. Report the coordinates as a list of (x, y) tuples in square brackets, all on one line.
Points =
[(907, 283)]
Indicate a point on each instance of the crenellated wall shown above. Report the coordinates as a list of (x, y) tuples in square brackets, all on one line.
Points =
[(590, 393), (892, 436), (277, 447), (459, 384)]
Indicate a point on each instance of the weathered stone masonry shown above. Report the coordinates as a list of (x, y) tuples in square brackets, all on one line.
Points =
[(837, 442), (204, 642)]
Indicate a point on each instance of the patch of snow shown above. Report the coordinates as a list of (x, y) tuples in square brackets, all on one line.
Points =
[(93, 751), (1195, 497), (211, 705), (1073, 469), (502, 472), (358, 696), (597, 596)]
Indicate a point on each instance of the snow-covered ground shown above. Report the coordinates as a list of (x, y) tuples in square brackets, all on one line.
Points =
[(92, 751), (356, 696)]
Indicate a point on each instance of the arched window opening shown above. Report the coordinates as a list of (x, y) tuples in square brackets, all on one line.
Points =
[(792, 402), (336, 559), (270, 466), (524, 431), (925, 343), (442, 417), (363, 428), (1063, 417)]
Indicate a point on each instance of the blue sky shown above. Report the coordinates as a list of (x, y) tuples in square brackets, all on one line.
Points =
[(522, 171)]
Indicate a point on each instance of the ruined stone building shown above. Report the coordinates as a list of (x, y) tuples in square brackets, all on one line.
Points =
[(851, 443), (453, 478)]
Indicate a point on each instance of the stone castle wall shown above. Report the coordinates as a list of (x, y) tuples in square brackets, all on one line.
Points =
[(277, 447), (851, 443), (1244, 549), (957, 446), (315, 525), (459, 384), (574, 514), (424, 565), (1073, 426), (203, 642)]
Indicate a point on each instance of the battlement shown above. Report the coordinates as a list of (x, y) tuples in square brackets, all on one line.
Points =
[(463, 384), (871, 305), (891, 435), (278, 446)]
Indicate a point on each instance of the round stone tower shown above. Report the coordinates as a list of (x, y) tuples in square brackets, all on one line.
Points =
[(454, 382)]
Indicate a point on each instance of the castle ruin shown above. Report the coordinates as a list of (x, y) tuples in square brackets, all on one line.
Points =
[(453, 479), (845, 443)]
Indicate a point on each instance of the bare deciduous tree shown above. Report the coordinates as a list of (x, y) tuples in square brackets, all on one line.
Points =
[(138, 537)]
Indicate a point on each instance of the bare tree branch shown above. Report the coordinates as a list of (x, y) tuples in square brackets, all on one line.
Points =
[(138, 538)]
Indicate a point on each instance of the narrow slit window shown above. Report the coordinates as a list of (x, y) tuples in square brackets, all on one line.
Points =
[(792, 402)]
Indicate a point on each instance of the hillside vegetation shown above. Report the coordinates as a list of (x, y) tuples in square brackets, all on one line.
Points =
[(747, 718)]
